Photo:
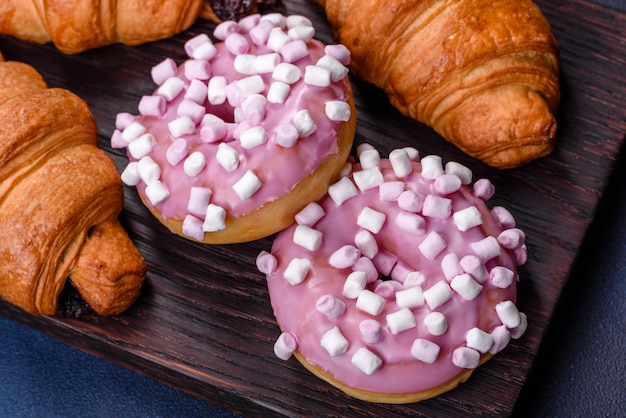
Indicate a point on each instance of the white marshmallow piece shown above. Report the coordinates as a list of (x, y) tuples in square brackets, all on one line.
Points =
[(156, 192), (414, 278), (366, 361), (334, 342), (450, 266), (465, 358), (296, 271), (286, 135), (479, 340), (244, 64), (148, 170), (447, 184), (278, 92), (508, 314), (342, 190), (431, 167), (330, 306), (199, 198), (354, 284), (266, 63), (248, 86), (390, 191), (247, 185), (487, 248), (519, 330), (370, 302), (411, 223), (286, 73), (337, 110), (316, 75), (344, 257), (436, 323), (410, 298), (424, 350), (180, 126), (473, 265), (253, 137), (132, 131), (400, 163), (410, 201), (366, 243), (400, 321), (194, 164), (277, 39), (437, 207), (227, 157), (216, 91), (368, 157), (130, 176), (338, 71), (310, 214), (437, 295), (214, 218), (304, 123), (303, 33), (142, 146), (464, 285), (368, 178), (501, 338), (307, 237), (464, 173), (171, 88), (467, 218), (432, 245), (284, 346), (371, 220)]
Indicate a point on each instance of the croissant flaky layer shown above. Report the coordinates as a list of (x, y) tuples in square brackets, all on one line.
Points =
[(483, 74), (60, 196)]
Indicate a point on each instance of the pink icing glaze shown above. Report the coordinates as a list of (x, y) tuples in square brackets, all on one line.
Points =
[(278, 168), (294, 305)]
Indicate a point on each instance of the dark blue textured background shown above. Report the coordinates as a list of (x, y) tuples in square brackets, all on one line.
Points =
[(580, 370)]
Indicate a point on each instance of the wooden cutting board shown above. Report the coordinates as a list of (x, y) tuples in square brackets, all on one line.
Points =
[(204, 322)]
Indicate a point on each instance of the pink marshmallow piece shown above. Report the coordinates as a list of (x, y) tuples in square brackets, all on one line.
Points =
[(344, 257), (284, 346), (152, 106), (466, 358), (266, 263), (371, 331), (330, 306)]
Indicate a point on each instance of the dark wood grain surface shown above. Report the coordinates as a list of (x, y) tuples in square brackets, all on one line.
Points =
[(204, 322)]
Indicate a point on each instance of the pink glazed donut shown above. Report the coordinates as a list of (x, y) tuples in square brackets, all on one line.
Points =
[(244, 133), (400, 282)]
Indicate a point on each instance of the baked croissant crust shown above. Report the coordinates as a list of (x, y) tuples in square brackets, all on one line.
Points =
[(483, 74), (60, 196)]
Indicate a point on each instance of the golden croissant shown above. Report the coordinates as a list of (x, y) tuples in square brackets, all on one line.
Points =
[(483, 74), (60, 196)]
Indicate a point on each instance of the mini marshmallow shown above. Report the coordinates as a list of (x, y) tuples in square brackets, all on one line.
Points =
[(156, 192), (261, 32), (192, 227), (307, 237), (435, 323), (130, 176), (450, 266), (277, 19), (192, 109), (387, 289), (370, 302), (148, 170), (410, 201), (508, 314), (366, 265), (344, 257), (364, 147), (467, 218), (447, 184), (432, 245), (400, 272), (266, 63), (366, 361), (253, 137), (473, 266), (519, 330), (330, 306), (304, 33), (366, 243), (216, 90), (247, 23), (200, 47), (424, 350), (342, 190), (464, 173), (244, 64), (227, 157), (152, 106), (199, 198), (371, 331), (371, 220), (487, 248), (431, 167), (337, 110), (484, 189), (304, 123), (293, 21), (437, 295), (197, 69), (464, 285), (338, 71), (297, 270), (501, 277), (316, 75), (266, 263), (142, 146), (340, 52), (277, 39), (465, 358), (368, 178), (285, 346), (414, 278), (214, 218), (411, 223), (310, 214), (180, 126), (286, 135), (410, 298), (225, 28), (212, 128), (278, 92), (346, 170), (501, 338), (354, 284), (132, 131), (390, 191), (368, 157), (437, 207), (413, 153), (177, 151), (247, 185), (197, 91), (512, 238), (194, 164), (503, 216), (237, 44), (334, 342), (286, 73), (247, 86), (384, 262), (164, 70), (116, 140), (294, 50), (479, 340), (400, 162), (171, 88), (521, 255), (400, 321)]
